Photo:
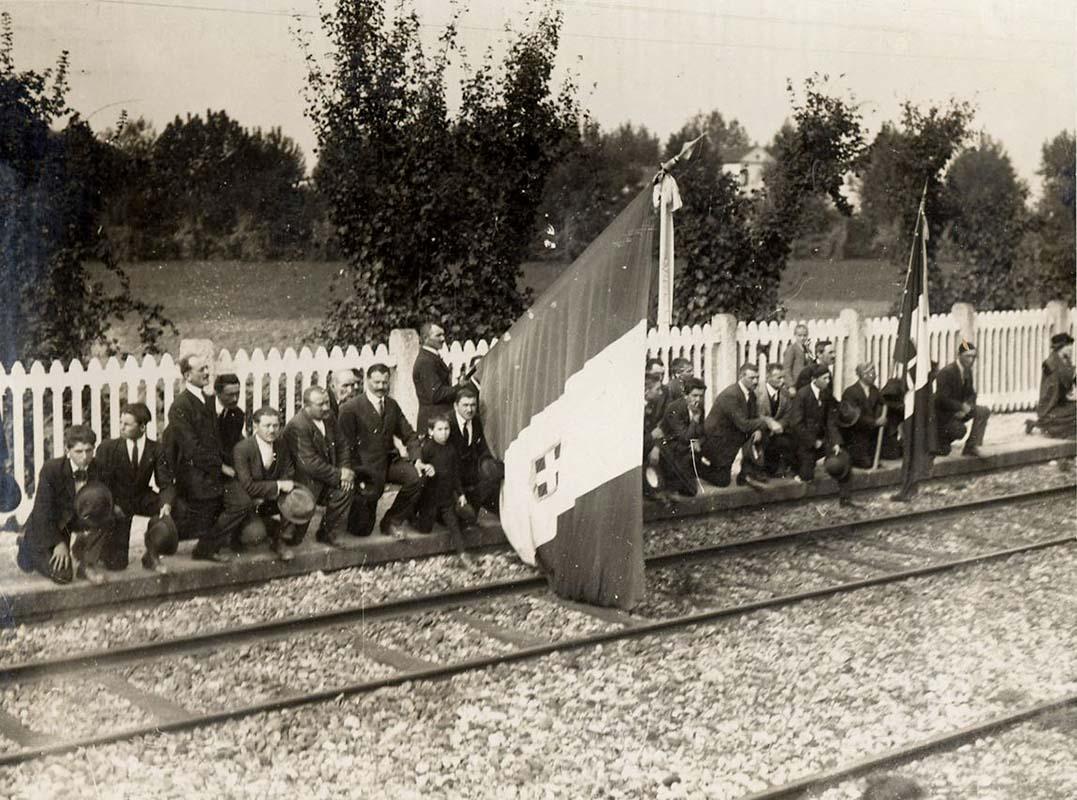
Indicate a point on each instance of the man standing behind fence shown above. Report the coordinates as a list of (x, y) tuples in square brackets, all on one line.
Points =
[(432, 376)]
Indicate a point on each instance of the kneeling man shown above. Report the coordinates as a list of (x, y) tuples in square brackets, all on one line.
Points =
[(955, 404), (480, 473)]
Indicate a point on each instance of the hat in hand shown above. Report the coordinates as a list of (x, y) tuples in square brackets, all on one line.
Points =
[(837, 466), (848, 414), (93, 507), (297, 506)]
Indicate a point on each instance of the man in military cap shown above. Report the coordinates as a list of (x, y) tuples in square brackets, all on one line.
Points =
[(955, 404)]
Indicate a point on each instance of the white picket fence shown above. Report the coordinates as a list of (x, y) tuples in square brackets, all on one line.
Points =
[(39, 402)]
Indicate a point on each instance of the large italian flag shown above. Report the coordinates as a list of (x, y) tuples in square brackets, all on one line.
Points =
[(562, 398)]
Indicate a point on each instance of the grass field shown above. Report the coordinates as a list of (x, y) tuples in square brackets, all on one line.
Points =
[(279, 304)]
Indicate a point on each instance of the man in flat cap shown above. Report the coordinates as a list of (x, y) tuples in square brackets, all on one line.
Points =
[(861, 437), (1056, 412), (955, 404)]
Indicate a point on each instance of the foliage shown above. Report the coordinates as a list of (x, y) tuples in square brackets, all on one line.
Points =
[(51, 190), (1048, 261), (903, 160), (735, 246), (986, 203), (434, 212)]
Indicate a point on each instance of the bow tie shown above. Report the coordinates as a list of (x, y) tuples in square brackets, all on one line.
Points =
[(81, 475)]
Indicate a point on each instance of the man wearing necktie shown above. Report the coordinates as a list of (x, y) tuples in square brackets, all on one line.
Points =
[(55, 538), (733, 420), (480, 473), (434, 388), (264, 474), (774, 400), (127, 465), (955, 404)]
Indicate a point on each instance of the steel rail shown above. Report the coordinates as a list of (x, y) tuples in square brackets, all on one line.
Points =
[(443, 671), (468, 595), (911, 752)]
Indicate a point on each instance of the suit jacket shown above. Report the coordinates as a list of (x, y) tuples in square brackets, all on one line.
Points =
[(54, 506), (860, 438), (951, 390), (446, 485), (317, 459), (785, 402), (369, 437), (794, 359), (679, 427), (231, 425), (128, 484), (193, 448), (433, 386), (470, 455), (258, 482), (804, 378), (1055, 384), (812, 419), (733, 418)]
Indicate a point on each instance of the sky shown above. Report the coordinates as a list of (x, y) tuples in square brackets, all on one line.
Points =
[(646, 61)]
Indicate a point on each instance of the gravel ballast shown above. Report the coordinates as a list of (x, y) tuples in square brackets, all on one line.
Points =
[(715, 712)]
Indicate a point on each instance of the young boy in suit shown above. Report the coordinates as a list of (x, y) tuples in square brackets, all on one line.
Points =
[(442, 495)]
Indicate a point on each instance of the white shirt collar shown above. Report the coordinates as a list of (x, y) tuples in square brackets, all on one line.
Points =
[(265, 448), (744, 390), (815, 389), (196, 391), (430, 349), (319, 425), (74, 468), (374, 399), (141, 442)]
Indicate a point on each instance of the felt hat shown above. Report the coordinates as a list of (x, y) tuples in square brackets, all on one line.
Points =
[(837, 466), (893, 395), (848, 414), (162, 536), (253, 531), (1060, 340), (93, 507), (297, 506), (10, 493)]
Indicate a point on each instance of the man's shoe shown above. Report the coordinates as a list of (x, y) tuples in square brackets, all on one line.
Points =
[(219, 557), (393, 529), (329, 539), (972, 451), (153, 563), (283, 552), (92, 574)]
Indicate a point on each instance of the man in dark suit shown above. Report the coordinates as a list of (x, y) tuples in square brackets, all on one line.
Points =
[(955, 404), (775, 401), (680, 457), (814, 423), (733, 419), (825, 355), (126, 465), (322, 463), (231, 421), (480, 473), (264, 472), (369, 424), (432, 376), (192, 445), (861, 437), (55, 537)]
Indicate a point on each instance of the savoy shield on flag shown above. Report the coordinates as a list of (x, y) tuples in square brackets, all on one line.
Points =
[(561, 396), (912, 362)]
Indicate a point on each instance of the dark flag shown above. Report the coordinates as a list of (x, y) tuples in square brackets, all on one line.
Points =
[(912, 364), (561, 402)]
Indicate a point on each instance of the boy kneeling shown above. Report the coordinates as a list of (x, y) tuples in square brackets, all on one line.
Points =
[(442, 496)]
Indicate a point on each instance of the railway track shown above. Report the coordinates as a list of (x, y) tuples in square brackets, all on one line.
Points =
[(835, 564)]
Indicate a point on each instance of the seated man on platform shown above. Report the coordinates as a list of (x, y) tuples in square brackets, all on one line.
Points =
[(480, 473), (344, 384), (126, 465), (72, 516), (1056, 412), (231, 421), (369, 425), (813, 421), (733, 420), (442, 497), (955, 404), (322, 462), (775, 401), (862, 438), (680, 457), (264, 474)]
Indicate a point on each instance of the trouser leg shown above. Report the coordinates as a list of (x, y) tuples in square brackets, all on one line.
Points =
[(980, 415), (214, 524), (115, 553), (338, 504), (403, 473), (450, 520), (89, 545)]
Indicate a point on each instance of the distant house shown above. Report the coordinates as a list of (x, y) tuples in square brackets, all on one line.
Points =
[(746, 166)]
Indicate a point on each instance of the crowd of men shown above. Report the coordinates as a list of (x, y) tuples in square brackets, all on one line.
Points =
[(207, 479), (784, 422)]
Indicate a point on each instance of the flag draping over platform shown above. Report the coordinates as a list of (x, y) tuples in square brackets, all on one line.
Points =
[(562, 402)]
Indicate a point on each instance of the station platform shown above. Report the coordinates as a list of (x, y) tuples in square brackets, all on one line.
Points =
[(25, 596)]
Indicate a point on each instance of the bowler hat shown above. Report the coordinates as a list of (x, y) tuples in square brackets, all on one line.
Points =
[(837, 466), (893, 395), (162, 536), (297, 506), (93, 507), (10, 494), (253, 531), (1060, 340), (848, 414)]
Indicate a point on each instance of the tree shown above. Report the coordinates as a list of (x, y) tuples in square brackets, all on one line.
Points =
[(52, 186), (903, 160), (1048, 261), (434, 211), (986, 203), (736, 247)]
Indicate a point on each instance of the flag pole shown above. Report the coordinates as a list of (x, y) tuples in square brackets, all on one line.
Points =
[(667, 200)]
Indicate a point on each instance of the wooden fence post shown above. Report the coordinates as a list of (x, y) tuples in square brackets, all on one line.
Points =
[(404, 347), (853, 351), (1058, 317), (723, 367), (965, 317)]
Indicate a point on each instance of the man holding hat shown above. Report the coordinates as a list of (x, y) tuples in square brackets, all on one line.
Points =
[(733, 420), (265, 485), (126, 465), (1056, 412), (814, 422), (72, 515), (838, 462), (955, 403), (861, 437)]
